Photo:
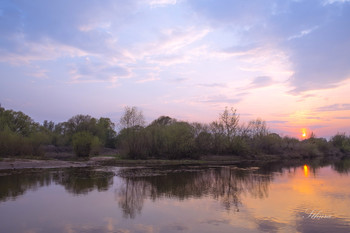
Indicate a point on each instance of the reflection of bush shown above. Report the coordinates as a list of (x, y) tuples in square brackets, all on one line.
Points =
[(83, 180), (342, 166), (18, 183), (224, 184), (77, 181)]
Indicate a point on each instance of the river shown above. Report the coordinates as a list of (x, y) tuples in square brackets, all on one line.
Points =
[(310, 196)]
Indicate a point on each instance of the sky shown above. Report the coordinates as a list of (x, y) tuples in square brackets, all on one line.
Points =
[(286, 62)]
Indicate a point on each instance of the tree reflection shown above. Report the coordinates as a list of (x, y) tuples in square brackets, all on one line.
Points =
[(18, 183), (225, 184), (75, 180), (82, 180), (342, 166)]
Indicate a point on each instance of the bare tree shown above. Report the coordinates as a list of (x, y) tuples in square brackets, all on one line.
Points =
[(229, 119), (132, 117), (258, 128)]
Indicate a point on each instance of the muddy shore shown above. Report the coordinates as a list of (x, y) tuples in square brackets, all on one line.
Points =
[(10, 163)]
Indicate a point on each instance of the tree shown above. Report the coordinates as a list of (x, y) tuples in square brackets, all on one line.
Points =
[(81, 123), (257, 128), (163, 121), (217, 131), (106, 132), (132, 137), (132, 117), (229, 120)]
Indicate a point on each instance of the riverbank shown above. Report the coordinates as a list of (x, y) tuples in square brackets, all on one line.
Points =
[(35, 162), (14, 163)]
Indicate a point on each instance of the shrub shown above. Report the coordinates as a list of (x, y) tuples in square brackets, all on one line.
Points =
[(342, 142), (84, 144)]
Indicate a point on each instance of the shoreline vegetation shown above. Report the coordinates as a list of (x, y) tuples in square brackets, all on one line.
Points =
[(163, 141)]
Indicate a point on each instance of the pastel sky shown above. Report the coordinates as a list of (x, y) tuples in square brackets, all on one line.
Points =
[(287, 62)]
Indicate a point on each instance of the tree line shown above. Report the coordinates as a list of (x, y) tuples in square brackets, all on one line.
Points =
[(163, 138)]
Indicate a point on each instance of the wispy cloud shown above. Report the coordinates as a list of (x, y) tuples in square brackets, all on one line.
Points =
[(302, 33), (212, 85), (342, 118), (261, 81), (219, 99), (334, 107), (157, 3), (313, 118), (277, 122), (97, 71)]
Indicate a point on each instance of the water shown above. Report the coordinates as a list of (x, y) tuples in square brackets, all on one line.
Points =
[(311, 197)]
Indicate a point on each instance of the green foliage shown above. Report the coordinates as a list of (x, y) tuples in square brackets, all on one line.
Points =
[(85, 144), (342, 142), (240, 146), (203, 142), (268, 143), (134, 142), (308, 149), (164, 138), (17, 122), (14, 144), (180, 141)]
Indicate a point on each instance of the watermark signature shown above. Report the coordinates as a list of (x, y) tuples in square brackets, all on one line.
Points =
[(316, 214)]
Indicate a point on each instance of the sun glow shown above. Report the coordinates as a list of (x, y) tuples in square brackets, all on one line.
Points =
[(306, 171), (303, 135)]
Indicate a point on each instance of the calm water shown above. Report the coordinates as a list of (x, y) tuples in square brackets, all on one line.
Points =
[(311, 197)]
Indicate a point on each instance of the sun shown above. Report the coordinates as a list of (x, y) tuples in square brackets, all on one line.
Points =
[(303, 135)]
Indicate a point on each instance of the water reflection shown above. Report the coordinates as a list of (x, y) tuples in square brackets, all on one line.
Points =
[(306, 171), (75, 180), (82, 181), (225, 184), (16, 183), (249, 197)]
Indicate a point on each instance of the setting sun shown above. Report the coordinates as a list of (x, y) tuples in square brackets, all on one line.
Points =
[(303, 135)]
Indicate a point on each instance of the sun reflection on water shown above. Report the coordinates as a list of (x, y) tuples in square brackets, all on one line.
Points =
[(306, 170)]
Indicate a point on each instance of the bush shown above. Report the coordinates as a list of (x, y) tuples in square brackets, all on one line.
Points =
[(309, 150), (84, 144), (13, 144), (239, 146), (342, 142)]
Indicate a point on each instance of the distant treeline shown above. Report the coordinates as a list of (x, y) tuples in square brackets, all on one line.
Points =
[(164, 138)]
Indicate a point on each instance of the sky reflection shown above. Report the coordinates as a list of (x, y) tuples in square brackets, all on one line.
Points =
[(169, 199)]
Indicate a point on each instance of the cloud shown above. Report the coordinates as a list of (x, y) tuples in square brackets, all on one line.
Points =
[(320, 57), (334, 107), (245, 13), (276, 122), (178, 80), (313, 35), (342, 118), (212, 85), (313, 118), (155, 3), (169, 44), (151, 79), (303, 33), (88, 70), (335, 1), (261, 81), (42, 21), (220, 99)]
